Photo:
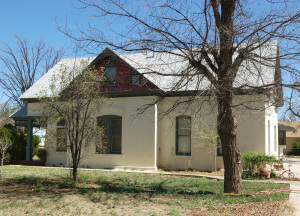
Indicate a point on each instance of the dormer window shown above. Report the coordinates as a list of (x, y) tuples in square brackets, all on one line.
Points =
[(135, 79), (110, 74)]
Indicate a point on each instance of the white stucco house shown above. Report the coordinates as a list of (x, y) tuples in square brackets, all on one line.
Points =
[(157, 139)]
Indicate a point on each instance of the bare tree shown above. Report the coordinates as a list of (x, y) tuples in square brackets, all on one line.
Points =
[(6, 109), (216, 37), (73, 109), (23, 64), (5, 143), (293, 102)]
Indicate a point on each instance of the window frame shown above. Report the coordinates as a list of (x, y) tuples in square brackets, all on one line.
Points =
[(61, 125), (109, 135), (135, 74), (283, 138), (177, 136), (113, 82)]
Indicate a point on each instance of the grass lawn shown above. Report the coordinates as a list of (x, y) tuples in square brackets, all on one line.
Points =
[(49, 191)]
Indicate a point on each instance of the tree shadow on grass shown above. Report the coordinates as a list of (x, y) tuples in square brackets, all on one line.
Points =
[(97, 190), (57, 188)]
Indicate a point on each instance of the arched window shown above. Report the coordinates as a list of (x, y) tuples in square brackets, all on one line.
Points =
[(61, 136), (110, 131), (183, 135)]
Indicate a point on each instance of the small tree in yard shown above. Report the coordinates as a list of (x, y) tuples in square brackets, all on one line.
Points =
[(207, 137), (5, 143), (73, 103)]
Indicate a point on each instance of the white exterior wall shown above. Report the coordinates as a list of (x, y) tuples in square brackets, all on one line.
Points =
[(250, 133), (271, 128), (139, 135)]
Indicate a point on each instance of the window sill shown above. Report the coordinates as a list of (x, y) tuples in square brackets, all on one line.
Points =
[(183, 156), (111, 155)]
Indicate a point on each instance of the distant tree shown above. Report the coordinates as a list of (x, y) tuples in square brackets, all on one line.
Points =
[(216, 37), (23, 64), (73, 108), (6, 109)]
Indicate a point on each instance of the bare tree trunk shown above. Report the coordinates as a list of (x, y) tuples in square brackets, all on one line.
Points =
[(231, 153), (75, 173)]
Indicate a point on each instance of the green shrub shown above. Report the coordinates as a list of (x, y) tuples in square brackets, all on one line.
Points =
[(17, 151), (252, 162), (296, 148), (35, 144), (42, 154)]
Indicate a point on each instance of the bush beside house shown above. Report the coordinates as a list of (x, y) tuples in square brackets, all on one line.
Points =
[(256, 164), (17, 151)]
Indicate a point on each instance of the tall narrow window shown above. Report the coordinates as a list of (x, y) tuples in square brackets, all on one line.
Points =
[(110, 140), (275, 137), (269, 137), (281, 137), (61, 136), (183, 135), (110, 74)]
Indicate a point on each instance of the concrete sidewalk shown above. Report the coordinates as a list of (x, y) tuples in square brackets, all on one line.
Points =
[(295, 196)]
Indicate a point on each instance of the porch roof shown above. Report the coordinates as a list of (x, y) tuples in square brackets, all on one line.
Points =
[(22, 113), (286, 128)]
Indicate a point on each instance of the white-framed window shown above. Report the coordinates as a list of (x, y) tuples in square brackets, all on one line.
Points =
[(110, 74), (61, 136), (183, 135), (110, 135)]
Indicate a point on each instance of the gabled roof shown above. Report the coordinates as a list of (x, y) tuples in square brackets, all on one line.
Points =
[(162, 69), (250, 73), (48, 85)]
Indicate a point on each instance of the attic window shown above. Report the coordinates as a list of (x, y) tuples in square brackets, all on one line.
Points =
[(135, 79), (110, 74)]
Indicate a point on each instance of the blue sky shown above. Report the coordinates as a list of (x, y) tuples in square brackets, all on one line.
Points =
[(35, 19)]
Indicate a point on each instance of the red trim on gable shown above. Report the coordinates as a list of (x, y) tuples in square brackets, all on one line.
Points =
[(123, 80)]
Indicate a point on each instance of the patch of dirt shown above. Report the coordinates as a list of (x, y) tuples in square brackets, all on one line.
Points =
[(252, 208)]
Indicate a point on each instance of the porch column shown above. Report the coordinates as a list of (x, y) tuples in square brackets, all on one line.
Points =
[(29, 140)]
